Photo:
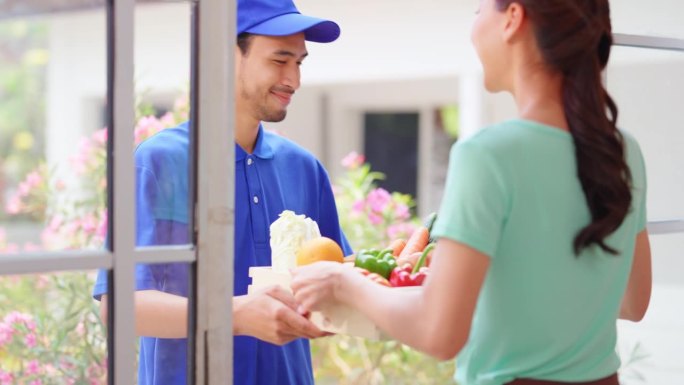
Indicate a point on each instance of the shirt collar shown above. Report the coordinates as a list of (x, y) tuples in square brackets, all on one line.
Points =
[(262, 149)]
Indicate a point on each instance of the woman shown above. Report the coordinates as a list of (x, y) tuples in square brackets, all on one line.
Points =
[(542, 240)]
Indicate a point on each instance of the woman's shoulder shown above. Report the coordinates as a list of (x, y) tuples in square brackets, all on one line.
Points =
[(493, 138)]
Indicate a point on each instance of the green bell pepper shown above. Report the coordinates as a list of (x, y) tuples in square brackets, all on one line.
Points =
[(381, 262)]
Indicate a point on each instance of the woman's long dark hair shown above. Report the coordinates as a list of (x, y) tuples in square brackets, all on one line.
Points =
[(574, 38)]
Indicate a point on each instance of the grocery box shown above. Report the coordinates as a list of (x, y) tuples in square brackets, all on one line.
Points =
[(338, 319)]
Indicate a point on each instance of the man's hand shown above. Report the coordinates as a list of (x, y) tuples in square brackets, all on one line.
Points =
[(271, 315)]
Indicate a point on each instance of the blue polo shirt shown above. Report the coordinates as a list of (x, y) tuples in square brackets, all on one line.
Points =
[(278, 176)]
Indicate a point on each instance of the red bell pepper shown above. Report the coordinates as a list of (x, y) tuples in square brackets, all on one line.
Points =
[(411, 276)]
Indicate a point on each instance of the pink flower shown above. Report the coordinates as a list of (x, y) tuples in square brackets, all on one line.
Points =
[(378, 199), (89, 224), (401, 211), (34, 179), (49, 236), (85, 146), (36, 382), (140, 135), (146, 127), (95, 372), (6, 378), (168, 120), (16, 317), (56, 222), (102, 227), (400, 230), (32, 367), (41, 283), (353, 160), (81, 160), (30, 340), (14, 206), (374, 218), (100, 136), (50, 370), (71, 228), (24, 188), (358, 207), (6, 333)]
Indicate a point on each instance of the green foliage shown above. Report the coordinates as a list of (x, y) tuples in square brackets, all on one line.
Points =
[(50, 330)]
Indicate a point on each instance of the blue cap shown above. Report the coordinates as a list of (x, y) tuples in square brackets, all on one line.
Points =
[(281, 18)]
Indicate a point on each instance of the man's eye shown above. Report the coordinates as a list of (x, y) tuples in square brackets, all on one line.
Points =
[(279, 61), (299, 63)]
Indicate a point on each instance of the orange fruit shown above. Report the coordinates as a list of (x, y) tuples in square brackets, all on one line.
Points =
[(319, 249)]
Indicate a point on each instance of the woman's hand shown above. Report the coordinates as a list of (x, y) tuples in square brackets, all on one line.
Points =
[(317, 284)]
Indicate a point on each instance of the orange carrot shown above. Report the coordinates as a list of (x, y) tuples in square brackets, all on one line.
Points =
[(397, 246), (417, 242), (409, 259)]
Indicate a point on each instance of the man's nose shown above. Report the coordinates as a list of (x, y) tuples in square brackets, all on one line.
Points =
[(292, 76)]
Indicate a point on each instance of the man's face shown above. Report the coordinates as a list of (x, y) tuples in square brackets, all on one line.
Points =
[(268, 75)]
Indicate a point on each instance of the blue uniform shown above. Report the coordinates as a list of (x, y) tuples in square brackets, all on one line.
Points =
[(278, 176)]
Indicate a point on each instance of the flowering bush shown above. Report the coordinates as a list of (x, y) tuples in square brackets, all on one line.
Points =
[(376, 216), (54, 336), (50, 328), (75, 216), (371, 217)]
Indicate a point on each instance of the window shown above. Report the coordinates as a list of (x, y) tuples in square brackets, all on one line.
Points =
[(68, 207), (391, 147)]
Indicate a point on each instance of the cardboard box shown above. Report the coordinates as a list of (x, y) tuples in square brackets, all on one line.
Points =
[(336, 319)]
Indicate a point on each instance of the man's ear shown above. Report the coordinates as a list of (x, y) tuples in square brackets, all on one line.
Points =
[(514, 16)]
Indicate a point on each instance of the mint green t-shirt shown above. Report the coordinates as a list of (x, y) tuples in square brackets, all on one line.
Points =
[(512, 192)]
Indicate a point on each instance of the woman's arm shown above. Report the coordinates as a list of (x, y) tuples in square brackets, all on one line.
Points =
[(435, 320), (638, 292)]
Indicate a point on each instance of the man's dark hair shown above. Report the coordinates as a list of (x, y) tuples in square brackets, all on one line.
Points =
[(243, 41)]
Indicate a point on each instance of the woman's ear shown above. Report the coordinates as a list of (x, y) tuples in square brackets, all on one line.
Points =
[(514, 17)]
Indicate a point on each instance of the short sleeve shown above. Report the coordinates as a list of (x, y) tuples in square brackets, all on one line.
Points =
[(637, 167), (475, 203), (147, 192)]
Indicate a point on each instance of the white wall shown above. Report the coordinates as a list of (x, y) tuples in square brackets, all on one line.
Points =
[(392, 39), (77, 67)]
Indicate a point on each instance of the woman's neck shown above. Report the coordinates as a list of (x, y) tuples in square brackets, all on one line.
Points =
[(538, 96)]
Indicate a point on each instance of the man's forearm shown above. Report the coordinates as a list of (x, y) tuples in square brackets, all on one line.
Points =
[(164, 315), (161, 315)]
